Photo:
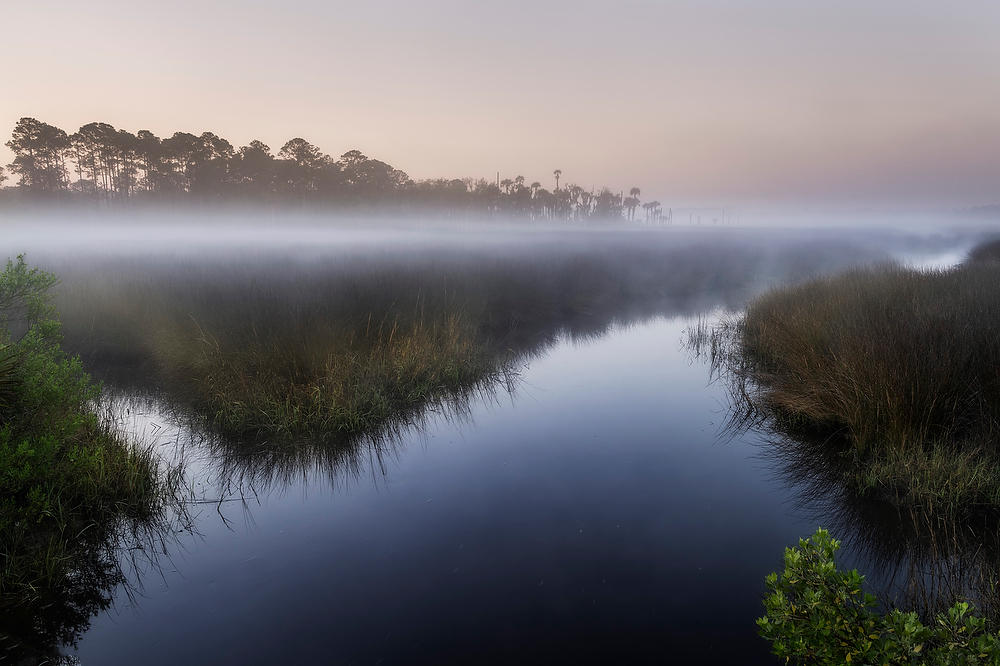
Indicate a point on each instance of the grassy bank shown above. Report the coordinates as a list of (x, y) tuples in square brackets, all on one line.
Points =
[(893, 370), (70, 486)]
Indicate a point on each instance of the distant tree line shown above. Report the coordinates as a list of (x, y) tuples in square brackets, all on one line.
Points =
[(107, 164)]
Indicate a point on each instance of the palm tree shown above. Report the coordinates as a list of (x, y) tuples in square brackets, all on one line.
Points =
[(557, 173), (653, 210), (630, 205), (631, 202), (648, 207)]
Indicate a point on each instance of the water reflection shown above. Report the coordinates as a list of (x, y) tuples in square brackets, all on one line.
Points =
[(108, 561), (922, 557), (221, 468)]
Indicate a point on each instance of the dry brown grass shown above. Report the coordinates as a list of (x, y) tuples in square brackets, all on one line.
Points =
[(896, 372), (895, 357)]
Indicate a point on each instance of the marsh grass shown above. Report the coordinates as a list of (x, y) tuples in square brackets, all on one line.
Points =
[(895, 370), (877, 393), (350, 382), (331, 347)]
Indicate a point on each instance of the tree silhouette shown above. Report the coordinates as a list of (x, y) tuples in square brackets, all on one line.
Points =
[(303, 166), (210, 172), (632, 202), (254, 169), (114, 164), (149, 154), (182, 155), (39, 156)]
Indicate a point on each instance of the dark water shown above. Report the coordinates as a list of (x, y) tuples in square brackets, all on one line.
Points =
[(596, 514)]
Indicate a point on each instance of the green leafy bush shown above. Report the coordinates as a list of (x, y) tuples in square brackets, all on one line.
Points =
[(817, 614), (70, 485)]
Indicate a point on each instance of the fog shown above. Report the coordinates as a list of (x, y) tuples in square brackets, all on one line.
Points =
[(481, 316), (48, 230)]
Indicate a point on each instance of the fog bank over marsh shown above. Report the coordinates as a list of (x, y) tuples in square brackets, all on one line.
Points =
[(342, 331), (337, 327), (312, 330)]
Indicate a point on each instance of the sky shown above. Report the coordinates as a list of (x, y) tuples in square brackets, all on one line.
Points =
[(700, 102)]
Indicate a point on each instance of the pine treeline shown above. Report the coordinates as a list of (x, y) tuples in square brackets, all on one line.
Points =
[(103, 163)]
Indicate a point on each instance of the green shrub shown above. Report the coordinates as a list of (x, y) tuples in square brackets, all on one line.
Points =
[(70, 485), (817, 614)]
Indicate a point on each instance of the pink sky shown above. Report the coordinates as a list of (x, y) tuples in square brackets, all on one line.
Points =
[(890, 102)]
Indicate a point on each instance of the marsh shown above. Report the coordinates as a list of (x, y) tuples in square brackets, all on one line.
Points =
[(467, 444)]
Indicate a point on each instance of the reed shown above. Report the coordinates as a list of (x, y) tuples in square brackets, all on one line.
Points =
[(896, 369)]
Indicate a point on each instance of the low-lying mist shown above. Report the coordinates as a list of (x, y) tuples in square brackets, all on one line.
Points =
[(306, 328)]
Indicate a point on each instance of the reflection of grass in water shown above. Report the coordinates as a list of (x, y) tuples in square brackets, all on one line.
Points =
[(923, 558), (880, 395), (244, 466), (83, 572)]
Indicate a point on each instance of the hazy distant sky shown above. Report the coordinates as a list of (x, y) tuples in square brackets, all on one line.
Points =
[(872, 102)]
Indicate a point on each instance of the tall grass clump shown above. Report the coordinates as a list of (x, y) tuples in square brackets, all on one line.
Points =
[(336, 382), (899, 368), (70, 486)]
